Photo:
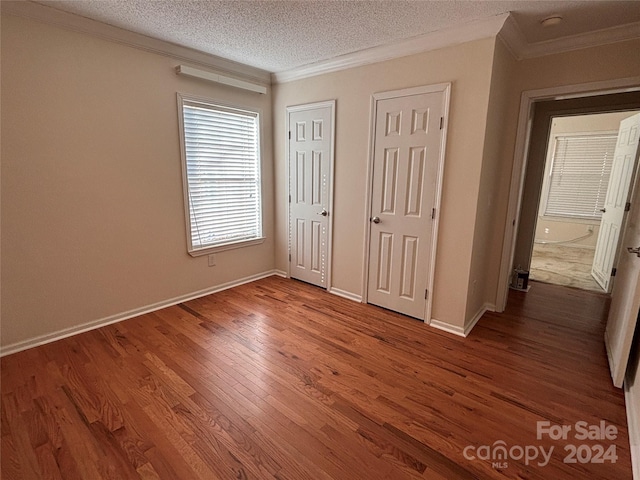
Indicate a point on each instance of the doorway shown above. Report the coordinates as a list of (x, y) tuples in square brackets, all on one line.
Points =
[(310, 165), (533, 140), (577, 172)]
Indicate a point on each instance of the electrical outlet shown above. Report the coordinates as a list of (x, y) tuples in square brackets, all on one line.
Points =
[(212, 259), (546, 230)]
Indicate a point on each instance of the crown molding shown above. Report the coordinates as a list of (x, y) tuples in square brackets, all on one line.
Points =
[(76, 23), (515, 40), (468, 32), (621, 33)]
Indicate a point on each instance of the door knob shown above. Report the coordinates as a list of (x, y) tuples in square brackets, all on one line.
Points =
[(324, 213), (375, 219), (634, 250)]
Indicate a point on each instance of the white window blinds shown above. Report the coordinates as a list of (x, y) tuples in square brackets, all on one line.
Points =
[(222, 175), (579, 175)]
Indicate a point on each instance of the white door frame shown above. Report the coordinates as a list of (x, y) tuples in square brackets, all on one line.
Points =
[(523, 135), (299, 108), (445, 88)]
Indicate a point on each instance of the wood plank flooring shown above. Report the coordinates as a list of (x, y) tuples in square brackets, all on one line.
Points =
[(280, 380)]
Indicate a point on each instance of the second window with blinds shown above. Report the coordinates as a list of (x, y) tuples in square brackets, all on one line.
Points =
[(221, 175), (577, 175)]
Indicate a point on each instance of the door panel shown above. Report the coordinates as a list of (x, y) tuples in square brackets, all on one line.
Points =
[(622, 170), (310, 150), (625, 297), (406, 156)]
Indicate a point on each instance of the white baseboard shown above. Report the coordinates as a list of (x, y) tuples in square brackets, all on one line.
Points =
[(447, 327), (85, 327), (280, 273), (345, 294), (633, 421), (460, 331), (487, 307)]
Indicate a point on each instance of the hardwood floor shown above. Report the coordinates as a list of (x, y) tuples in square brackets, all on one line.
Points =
[(279, 379)]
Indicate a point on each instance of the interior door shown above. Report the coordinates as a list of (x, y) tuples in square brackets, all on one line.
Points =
[(622, 172), (625, 297), (407, 152), (310, 178)]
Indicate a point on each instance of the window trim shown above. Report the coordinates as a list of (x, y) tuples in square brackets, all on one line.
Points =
[(546, 184), (199, 251)]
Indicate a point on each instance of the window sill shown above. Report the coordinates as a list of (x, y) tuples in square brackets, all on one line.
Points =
[(227, 246), (567, 219)]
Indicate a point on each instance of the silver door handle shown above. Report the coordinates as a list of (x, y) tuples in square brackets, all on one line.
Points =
[(324, 213), (375, 219), (634, 250)]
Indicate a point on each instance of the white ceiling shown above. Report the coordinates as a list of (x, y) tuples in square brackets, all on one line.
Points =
[(282, 35)]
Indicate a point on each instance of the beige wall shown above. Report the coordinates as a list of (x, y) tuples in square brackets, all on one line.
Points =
[(606, 62), (92, 206), (468, 68), (494, 189), (92, 210), (551, 230)]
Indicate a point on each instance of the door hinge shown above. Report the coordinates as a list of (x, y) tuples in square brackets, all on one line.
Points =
[(426, 294), (433, 213), (289, 198), (289, 134), (289, 257), (441, 123), (614, 270), (627, 206)]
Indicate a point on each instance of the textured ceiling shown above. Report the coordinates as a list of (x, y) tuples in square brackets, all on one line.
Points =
[(282, 35)]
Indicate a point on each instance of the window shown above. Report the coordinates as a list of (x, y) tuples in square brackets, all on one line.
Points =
[(579, 175), (221, 172)]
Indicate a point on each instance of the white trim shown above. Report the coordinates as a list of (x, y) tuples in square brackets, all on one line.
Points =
[(344, 294), (502, 25), (525, 118), (280, 273), (437, 201), (447, 327), (610, 360), (595, 38), (633, 421), (85, 327), (468, 325), (77, 23), (331, 105), (368, 201), (513, 38), (445, 89), (485, 28), (222, 79), (517, 44), (215, 105)]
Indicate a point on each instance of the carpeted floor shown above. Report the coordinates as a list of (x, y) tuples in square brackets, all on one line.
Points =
[(563, 265)]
